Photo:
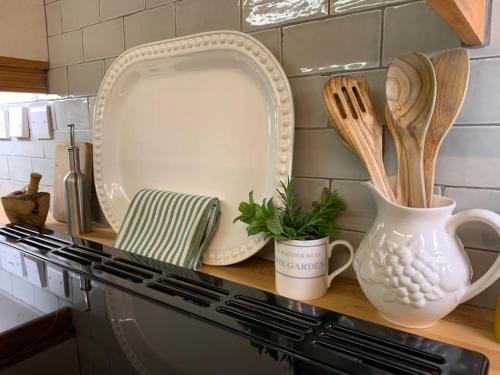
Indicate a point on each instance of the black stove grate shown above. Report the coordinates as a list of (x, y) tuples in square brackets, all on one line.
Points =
[(334, 342)]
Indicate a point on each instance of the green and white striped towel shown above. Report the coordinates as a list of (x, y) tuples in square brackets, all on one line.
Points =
[(171, 227)]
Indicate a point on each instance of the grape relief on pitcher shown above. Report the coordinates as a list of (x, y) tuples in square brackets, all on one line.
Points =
[(409, 273)]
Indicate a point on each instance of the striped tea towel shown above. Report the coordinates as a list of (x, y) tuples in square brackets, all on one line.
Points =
[(171, 227)]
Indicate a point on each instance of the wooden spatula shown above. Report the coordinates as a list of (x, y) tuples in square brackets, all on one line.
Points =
[(401, 192), (411, 92), (452, 69), (350, 108)]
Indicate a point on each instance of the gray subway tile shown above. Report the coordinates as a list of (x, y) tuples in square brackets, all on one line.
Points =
[(361, 210), (493, 47), (268, 13), (20, 168), (65, 49), (79, 13), (271, 39), (53, 18), (475, 234), (481, 103), (320, 153), (342, 43), (468, 157), (338, 7), (309, 190), (308, 101), (149, 26), (103, 40), (72, 111), (155, 3), (481, 261), (193, 16), (415, 27), (108, 62), (58, 81), (115, 8), (84, 79)]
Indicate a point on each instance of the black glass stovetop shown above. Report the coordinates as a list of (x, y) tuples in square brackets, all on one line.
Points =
[(255, 332)]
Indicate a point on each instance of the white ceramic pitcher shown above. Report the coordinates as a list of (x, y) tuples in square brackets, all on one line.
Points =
[(411, 265)]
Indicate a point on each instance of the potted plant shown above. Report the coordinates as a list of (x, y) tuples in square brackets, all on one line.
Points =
[(302, 245)]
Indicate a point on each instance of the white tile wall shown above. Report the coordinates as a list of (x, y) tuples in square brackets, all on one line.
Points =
[(19, 168), (74, 111), (46, 168), (4, 168)]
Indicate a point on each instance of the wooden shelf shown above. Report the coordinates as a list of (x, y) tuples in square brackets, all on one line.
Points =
[(21, 75), (466, 17)]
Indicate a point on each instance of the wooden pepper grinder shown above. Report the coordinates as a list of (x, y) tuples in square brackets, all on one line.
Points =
[(29, 206)]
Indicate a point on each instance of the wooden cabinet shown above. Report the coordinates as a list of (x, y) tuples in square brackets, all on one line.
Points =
[(23, 46)]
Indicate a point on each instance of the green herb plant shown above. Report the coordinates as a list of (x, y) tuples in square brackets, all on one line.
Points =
[(289, 222)]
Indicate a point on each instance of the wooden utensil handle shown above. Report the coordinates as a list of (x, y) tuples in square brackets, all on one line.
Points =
[(416, 185), (34, 182)]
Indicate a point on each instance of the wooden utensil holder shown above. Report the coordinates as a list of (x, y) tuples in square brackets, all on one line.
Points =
[(28, 207)]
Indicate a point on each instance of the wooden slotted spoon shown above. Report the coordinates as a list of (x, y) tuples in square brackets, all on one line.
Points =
[(350, 107), (411, 92), (452, 69)]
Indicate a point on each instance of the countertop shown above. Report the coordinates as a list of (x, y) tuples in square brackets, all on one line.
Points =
[(469, 327)]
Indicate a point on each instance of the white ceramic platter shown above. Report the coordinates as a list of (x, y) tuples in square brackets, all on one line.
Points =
[(209, 114)]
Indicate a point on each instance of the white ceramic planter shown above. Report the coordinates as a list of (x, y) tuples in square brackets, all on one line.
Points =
[(302, 267), (411, 265)]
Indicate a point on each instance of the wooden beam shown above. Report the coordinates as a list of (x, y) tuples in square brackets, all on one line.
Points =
[(21, 75), (466, 17)]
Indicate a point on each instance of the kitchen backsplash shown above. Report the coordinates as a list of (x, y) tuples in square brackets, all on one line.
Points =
[(313, 39)]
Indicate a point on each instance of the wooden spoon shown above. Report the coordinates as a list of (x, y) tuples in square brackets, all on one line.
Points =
[(401, 191), (452, 69), (411, 92), (351, 110)]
